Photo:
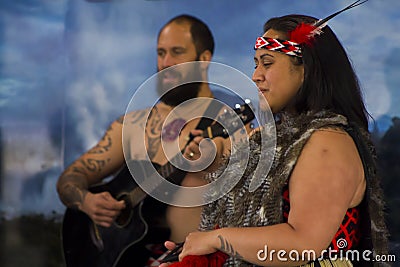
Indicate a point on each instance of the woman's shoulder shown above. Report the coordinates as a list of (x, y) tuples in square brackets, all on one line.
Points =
[(334, 138), (330, 136), (327, 145)]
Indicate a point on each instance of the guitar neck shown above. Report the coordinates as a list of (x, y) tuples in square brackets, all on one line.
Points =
[(168, 171), (171, 173)]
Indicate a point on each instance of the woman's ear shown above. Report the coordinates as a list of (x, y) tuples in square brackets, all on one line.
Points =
[(302, 75)]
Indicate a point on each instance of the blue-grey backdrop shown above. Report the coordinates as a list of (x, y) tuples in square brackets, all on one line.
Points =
[(68, 68)]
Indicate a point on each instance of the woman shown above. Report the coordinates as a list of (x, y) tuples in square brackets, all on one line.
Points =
[(322, 194)]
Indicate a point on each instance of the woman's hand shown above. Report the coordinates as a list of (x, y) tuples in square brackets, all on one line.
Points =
[(200, 243), (170, 246), (196, 243)]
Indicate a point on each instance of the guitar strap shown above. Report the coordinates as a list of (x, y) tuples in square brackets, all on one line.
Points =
[(208, 118)]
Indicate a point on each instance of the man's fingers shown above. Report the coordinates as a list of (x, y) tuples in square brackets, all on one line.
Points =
[(104, 221), (196, 132), (119, 205), (198, 139), (193, 147), (107, 212), (111, 203)]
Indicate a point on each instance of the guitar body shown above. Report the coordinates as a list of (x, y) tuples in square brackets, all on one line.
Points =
[(87, 244), (81, 250)]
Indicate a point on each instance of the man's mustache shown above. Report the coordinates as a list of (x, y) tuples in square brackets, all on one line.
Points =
[(172, 73)]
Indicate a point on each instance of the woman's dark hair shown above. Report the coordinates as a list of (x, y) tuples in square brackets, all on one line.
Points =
[(330, 82), (201, 35)]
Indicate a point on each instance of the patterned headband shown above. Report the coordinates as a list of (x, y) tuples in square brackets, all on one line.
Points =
[(283, 46), (303, 34)]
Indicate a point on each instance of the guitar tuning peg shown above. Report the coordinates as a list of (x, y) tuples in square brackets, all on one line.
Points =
[(237, 105)]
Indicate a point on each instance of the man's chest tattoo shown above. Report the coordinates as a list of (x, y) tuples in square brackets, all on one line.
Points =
[(153, 133)]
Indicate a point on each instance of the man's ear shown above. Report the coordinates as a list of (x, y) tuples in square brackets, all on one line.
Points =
[(205, 56)]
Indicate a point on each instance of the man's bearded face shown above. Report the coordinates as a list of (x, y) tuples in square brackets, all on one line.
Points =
[(181, 82)]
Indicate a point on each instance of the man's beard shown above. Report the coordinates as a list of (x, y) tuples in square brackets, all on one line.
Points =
[(181, 93), (187, 89)]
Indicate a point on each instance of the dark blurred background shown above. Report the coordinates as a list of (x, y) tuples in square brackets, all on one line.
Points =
[(69, 67)]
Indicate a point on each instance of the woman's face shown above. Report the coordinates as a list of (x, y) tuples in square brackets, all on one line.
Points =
[(276, 76)]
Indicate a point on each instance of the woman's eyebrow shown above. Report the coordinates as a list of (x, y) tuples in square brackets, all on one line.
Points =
[(266, 55), (262, 56)]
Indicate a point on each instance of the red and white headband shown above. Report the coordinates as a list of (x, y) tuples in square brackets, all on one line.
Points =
[(303, 34), (283, 46)]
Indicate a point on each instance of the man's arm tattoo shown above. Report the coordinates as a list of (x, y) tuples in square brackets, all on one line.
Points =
[(72, 189), (99, 149), (92, 165), (153, 132), (120, 120), (228, 248), (73, 185)]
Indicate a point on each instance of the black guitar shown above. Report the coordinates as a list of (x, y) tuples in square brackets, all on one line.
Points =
[(87, 244)]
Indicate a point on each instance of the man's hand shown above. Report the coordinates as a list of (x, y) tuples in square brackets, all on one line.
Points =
[(192, 150), (102, 208), (200, 151)]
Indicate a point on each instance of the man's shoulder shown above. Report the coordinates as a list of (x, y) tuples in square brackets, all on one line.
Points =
[(134, 115)]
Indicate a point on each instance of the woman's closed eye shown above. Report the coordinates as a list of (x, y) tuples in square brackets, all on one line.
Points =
[(265, 65)]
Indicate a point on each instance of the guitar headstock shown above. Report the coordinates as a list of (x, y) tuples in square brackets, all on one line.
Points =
[(232, 119)]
